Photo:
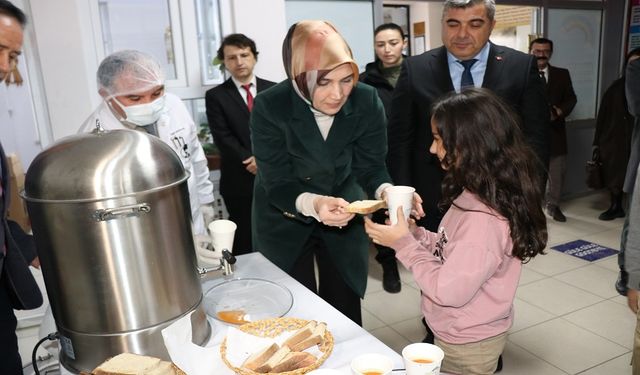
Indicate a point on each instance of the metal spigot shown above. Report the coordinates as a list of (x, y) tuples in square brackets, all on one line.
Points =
[(225, 267)]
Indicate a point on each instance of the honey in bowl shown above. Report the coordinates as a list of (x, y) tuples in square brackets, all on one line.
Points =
[(232, 316), (372, 372), (422, 360)]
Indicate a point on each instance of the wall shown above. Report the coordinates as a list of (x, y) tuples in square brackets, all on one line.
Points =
[(69, 56), (430, 14)]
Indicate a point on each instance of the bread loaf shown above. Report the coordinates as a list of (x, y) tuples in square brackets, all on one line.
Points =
[(134, 364), (257, 359), (365, 207), (274, 360), (301, 334), (315, 338), (294, 361)]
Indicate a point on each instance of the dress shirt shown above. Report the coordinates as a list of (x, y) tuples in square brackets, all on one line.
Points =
[(242, 91), (477, 70), (546, 74)]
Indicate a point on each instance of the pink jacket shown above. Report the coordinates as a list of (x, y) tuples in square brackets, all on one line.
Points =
[(466, 272)]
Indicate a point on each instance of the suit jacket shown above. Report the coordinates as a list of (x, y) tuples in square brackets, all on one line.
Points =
[(632, 90), (228, 117), (293, 158), (22, 288), (561, 95), (614, 126), (510, 74)]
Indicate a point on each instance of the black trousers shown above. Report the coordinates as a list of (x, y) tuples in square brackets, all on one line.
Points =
[(239, 208), (385, 254), (331, 287), (10, 362)]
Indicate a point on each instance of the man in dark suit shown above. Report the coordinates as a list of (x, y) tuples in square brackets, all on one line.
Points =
[(18, 289), (513, 75), (562, 99), (228, 108)]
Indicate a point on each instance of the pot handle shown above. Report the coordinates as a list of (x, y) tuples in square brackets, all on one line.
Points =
[(124, 211)]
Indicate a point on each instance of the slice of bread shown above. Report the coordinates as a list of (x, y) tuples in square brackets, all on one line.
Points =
[(365, 207), (274, 360), (127, 364), (316, 338), (258, 358), (301, 334), (164, 368), (294, 361)]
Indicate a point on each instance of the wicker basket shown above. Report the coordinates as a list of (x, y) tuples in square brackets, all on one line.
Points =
[(272, 328)]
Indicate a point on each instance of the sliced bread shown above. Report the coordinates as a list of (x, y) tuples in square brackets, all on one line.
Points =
[(294, 361), (258, 358)]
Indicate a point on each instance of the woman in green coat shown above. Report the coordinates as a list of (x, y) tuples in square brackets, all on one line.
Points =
[(320, 143)]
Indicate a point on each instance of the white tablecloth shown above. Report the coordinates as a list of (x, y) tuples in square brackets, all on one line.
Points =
[(350, 340)]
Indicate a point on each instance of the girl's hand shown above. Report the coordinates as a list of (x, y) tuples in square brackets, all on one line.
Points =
[(386, 235), (331, 211), (632, 300), (416, 210)]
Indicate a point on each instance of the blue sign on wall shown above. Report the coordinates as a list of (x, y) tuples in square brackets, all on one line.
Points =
[(585, 250)]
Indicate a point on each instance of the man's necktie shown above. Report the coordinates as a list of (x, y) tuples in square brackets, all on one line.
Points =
[(247, 88), (467, 78), (542, 75)]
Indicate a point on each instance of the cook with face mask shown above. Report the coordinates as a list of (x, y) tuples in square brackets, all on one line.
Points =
[(131, 84)]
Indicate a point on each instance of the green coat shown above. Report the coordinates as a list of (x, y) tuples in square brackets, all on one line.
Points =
[(293, 158)]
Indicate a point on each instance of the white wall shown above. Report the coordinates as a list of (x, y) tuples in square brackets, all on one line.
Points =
[(427, 12), (264, 22), (69, 56)]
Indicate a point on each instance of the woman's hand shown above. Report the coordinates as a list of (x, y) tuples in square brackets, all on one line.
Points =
[(386, 235), (331, 211)]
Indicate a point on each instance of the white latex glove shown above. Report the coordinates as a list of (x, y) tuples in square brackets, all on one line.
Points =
[(204, 251), (208, 213)]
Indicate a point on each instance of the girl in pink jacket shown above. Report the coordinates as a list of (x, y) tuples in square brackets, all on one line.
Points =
[(469, 270)]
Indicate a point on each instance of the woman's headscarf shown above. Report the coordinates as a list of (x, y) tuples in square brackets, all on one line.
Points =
[(312, 49)]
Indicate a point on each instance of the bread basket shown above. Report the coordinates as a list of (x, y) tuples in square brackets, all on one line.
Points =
[(272, 328)]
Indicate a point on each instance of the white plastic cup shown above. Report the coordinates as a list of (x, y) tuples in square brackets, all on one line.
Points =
[(422, 359), (371, 363), (399, 196), (222, 233)]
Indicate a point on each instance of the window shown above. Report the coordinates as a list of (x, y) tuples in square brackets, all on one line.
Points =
[(514, 25), (209, 39), (150, 26)]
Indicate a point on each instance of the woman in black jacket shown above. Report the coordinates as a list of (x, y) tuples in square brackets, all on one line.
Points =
[(382, 74)]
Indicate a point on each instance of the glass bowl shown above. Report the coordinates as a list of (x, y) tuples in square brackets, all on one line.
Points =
[(240, 301)]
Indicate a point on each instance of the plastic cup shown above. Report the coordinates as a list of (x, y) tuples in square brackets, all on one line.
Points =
[(399, 196), (422, 359), (222, 233), (371, 364)]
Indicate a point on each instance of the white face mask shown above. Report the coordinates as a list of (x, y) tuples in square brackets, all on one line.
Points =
[(143, 114)]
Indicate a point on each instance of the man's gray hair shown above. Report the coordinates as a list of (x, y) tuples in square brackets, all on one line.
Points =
[(490, 6)]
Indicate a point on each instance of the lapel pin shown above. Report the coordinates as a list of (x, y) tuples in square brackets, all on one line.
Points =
[(499, 58)]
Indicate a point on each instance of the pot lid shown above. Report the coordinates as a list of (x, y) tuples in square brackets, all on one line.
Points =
[(102, 164)]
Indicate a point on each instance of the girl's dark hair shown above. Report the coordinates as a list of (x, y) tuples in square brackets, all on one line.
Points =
[(486, 155), (389, 26)]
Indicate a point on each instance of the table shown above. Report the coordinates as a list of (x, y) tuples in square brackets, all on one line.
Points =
[(350, 340)]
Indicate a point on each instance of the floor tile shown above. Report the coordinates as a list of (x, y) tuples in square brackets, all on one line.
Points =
[(517, 361), (370, 322), (555, 296), (618, 366), (609, 263), (528, 315), (391, 338), (608, 319), (393, 308), (528, 276), (566, 346), (609, 238), (554, 262), (593, 279), (411, 329)]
